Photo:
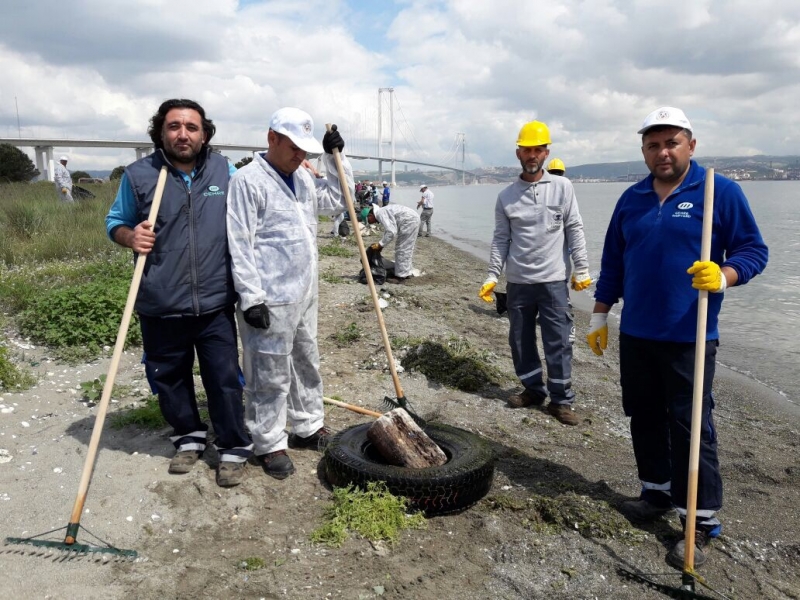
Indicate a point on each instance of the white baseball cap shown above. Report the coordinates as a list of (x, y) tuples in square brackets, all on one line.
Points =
[(422, 187), (63, 158), (666, 115), (298, 126)]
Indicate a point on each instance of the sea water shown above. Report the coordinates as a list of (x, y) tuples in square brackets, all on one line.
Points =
[(759, 322)]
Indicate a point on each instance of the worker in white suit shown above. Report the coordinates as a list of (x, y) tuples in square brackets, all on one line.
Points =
[(63, 180), (399, 222), (273, 209)]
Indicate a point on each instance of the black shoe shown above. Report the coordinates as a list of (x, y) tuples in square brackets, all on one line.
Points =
[(317, 440), (526, 398), (677, 554), (183, 461), (277, 464), (642, 511)]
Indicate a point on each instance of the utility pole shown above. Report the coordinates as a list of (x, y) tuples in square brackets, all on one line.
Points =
[(19, 129), (390, 91)]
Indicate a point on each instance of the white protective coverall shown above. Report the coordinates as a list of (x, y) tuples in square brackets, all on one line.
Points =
[(272, 238), (401, 222), (63, 180)]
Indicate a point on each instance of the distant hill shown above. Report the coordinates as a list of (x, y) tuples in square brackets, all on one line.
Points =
[(736, 167)]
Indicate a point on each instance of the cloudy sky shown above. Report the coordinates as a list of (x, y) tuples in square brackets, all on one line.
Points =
[(590, 69)]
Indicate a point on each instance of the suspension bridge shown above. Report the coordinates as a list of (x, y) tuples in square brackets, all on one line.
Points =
[(44, 148)]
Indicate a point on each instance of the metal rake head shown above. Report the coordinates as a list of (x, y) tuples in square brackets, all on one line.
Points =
[(391, 404)]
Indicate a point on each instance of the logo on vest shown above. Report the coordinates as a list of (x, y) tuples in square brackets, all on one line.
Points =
[(685, 205), (683, 210), (213, 190)]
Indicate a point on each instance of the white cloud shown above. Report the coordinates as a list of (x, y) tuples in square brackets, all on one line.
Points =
[(591, 70)]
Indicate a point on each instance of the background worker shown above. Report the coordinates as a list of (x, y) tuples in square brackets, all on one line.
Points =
[(654, 236), (273, 210), (556, 167), (63, 180), (386, 193), (536, 220), (402, 223), (186, 300), (426, 202)]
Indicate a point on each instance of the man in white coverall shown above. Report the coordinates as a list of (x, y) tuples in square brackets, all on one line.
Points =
[(399, 222), (537, 224), (63, 180), (273, 206)]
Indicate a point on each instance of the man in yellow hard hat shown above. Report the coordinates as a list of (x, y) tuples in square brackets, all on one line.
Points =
[(556, 167), (536, 220)]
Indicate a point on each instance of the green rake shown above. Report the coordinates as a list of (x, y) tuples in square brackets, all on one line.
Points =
[(70, 545)]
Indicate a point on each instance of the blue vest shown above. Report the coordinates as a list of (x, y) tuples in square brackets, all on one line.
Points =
[(188, 272)]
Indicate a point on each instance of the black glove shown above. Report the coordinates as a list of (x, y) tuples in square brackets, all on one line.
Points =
[(257, 316), (332, 139)]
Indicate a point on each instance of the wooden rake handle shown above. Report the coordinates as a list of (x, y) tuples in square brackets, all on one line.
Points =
[(102, 407), (699, 374), (367, 271)]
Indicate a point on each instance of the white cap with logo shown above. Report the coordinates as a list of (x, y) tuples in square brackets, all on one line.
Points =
[(666, 115), (298, 126), (423, 187), (64, 159)]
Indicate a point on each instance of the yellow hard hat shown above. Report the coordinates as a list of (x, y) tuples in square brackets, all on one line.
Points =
[(534, 133), (557, 165)]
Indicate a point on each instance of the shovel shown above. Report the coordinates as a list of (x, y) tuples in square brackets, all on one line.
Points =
[(401, 401)]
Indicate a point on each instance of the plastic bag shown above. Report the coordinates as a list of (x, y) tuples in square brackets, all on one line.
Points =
[(375, 261)]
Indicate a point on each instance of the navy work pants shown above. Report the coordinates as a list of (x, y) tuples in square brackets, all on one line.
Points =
[(170, 345), (550, 302), (657, 387)]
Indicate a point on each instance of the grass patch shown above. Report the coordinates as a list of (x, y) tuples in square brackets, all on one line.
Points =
[(335, 248), (593, 519), (330, 276), (12, 378), (92, 390), (148, 416), (347, 336), (374, 514), (252, 563), (454, 363)]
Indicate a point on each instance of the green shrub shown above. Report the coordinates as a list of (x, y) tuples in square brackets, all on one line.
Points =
[(347, 336), (13, 378), (85, 314), (147, 417)]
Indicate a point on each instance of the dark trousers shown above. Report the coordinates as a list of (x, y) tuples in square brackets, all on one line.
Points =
[(657, 386), (170, 345), (550, 302)]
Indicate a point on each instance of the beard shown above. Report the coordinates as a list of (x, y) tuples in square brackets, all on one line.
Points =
[(531, 169)]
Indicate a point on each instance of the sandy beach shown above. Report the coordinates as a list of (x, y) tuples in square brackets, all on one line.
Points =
[(192, 535)]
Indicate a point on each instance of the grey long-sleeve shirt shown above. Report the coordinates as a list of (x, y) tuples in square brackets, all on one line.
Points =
[(536, 227)]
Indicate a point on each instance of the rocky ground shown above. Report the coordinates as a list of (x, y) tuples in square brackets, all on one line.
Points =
[(549, 527)]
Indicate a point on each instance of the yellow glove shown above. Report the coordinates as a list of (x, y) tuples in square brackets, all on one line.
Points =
[(486, 291), (707, 276), (376, 247), (64, 191), (598, 333), (581, 280)]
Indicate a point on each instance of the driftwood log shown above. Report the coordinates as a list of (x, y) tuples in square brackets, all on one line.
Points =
[(401, 442)]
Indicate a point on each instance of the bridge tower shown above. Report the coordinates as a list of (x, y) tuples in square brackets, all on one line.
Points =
[(381, 142), (461, 143)]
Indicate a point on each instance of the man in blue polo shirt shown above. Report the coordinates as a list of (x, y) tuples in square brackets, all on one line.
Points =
[(650, 258)]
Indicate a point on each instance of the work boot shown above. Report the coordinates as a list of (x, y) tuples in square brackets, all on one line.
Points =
[(183, 461), (277, 464), (317, 440), (526, 398), (676, 556), (230, 473), (642, 511), (563, 413)]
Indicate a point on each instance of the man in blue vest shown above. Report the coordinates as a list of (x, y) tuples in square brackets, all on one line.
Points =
[(186, 300)]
